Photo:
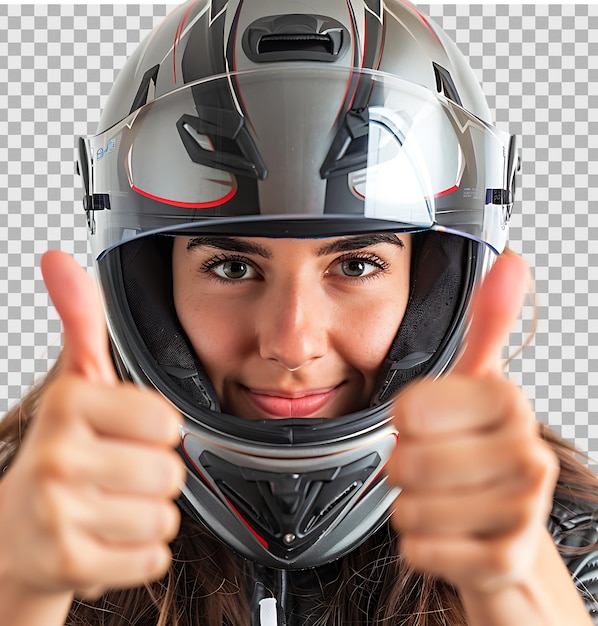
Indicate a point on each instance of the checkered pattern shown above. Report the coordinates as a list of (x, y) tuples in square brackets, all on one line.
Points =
[(538, 65)]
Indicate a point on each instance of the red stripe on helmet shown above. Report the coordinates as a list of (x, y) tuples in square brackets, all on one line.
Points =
[(187, 205), (249, 527), (220, 494)]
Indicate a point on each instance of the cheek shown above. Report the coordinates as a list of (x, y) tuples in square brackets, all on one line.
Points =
[(370, 325), (381, 337), (371, 332), (210, 327), (213, 330)]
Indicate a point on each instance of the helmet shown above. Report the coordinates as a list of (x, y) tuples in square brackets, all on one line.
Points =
[(261, 118)]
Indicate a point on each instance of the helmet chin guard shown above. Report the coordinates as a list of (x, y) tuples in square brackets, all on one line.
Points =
[(264, 120), (302, 510)]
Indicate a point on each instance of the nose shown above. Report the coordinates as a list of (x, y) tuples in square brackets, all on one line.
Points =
[(293, 327)]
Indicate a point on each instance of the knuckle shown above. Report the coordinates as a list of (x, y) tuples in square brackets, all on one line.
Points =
[(172, 473), (551, 464), (165, 420), (411, 407), (406, 469), (50, 513), (69, 562), (156, 562), (172, 521), (412, 550), (61, 401), (515, 405), (57, 526), (53, 462), (406, 514), (538, 468), (160, 523)]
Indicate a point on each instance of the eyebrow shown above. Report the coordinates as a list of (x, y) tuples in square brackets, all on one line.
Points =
[(230, 244), (344, 244), (357, 242)]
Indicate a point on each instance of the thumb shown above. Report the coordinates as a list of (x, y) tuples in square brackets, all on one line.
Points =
[(496, 305), (76, 297)]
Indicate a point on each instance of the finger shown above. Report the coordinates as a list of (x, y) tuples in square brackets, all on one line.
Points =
[(121, 412), (115, 520), (465, 463), (76, 298), (469, 562), (119, 567), (457, 405), (501, 508), (129, 521), (496, 305), (131, 469)]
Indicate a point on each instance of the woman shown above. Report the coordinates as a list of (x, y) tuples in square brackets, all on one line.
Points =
[(290, 215)]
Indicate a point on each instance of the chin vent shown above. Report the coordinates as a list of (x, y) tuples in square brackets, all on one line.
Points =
[(289, 510)]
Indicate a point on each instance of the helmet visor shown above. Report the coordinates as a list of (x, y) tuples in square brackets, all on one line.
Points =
[(263, 148)]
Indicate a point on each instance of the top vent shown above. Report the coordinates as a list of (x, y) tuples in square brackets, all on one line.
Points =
[(295, 37)]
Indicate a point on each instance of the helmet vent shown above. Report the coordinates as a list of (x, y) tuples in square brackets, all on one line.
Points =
[(276, 44), (295, 37), (339, 499), (445, 84), (146, 90), (278, 505)]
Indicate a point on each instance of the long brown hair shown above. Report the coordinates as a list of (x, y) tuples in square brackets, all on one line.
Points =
[(207, 584)]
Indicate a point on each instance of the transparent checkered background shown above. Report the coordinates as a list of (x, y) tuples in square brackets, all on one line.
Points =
[(538, 65)]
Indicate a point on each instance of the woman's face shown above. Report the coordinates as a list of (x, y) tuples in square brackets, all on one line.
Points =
[(292, 327)]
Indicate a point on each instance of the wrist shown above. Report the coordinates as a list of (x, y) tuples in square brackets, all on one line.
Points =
[(545, 595), (24, 605)]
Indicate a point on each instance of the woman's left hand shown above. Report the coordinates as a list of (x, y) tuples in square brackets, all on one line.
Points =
[(477, 481)]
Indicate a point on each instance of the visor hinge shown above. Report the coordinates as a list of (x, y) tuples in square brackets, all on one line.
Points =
[(91, 201), (96, 202)]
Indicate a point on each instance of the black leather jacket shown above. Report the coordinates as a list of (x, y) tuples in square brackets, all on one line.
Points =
[(572, 524), (575, 524)]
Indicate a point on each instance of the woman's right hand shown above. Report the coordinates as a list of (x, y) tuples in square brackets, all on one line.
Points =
[(87, 504)]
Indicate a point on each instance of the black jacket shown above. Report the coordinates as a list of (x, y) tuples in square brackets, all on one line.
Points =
[(574, 524)]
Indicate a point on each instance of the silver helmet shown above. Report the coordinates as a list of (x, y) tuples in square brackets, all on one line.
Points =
[(260, 118)]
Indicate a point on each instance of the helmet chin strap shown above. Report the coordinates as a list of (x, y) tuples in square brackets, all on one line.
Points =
[(266, 609)]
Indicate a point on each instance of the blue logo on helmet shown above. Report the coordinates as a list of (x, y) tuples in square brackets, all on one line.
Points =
[(100, 152)]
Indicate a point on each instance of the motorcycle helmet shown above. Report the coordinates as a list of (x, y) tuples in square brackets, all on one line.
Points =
[(265, 118)]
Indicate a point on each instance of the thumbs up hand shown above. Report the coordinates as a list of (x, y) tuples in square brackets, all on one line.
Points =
[(477, 481), (87, 503)]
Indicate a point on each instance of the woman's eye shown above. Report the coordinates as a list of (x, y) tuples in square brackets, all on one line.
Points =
[(356, 268), (234, 270)]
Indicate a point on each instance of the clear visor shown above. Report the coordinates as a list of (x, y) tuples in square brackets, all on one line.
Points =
[(250, 152)]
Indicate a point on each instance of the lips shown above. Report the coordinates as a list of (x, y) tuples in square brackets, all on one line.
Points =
[(296, 405)]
